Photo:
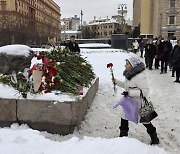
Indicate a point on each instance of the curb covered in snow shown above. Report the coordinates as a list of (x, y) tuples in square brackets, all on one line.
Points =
[(57, 118)]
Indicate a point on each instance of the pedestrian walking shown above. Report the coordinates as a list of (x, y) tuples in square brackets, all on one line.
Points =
[(158, 51), (176, 62), (164, 56), (146, 54), (135, 80), (135, 46), (150, 53), (141, 46), (171, 58)]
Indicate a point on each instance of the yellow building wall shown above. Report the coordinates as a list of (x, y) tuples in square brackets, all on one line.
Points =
[(146, 17), (10, 5)]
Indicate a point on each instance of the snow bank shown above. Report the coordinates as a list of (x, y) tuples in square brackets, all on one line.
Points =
[(83, 51), (22, 140), (10, 93), (37, 50), (16, 49), (95, 45)]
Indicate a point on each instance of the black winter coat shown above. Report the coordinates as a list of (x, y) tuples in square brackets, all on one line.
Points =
[(74, 47), (167, 48), (176, 58), (150, 50)]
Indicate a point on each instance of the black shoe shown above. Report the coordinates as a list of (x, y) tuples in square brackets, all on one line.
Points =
[(154, 139), (161, 73), (123, 133), (165, 72), (172, 75), (177, 81), (150, 69), (124, 130)]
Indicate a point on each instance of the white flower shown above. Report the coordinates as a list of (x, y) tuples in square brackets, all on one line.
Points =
[(53, 79), (84, 64), (43, 79), (58, 63)]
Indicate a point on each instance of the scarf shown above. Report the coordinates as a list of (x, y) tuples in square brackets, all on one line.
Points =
[(129, 74)]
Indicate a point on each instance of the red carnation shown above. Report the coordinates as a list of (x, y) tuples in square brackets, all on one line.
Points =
[(52, 85), (45, 60), (53, 63), (57, 83), (109, 65), (47, 91), (41, 87)]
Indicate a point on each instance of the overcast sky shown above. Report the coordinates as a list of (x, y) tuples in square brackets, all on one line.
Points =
[(91, 8)]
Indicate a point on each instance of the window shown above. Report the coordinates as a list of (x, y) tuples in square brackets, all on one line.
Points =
[(172, 3), (3, 7), (171, 19)]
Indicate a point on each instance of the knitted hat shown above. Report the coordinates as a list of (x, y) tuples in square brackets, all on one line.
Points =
[(133, 61)]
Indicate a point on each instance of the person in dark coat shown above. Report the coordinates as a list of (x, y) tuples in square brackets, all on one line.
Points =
[(158, 51), (146, 54), (151, 52), (164, 56), (171, 58), (176, 62), (73, 45), (141, 46)]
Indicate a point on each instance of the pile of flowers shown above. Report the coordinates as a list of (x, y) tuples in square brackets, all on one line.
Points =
[(62, 71)]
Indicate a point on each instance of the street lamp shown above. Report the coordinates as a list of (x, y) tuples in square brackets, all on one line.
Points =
[(81, 23), (123, 8)]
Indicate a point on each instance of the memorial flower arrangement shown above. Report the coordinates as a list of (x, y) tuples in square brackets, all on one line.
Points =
[(60, 71)]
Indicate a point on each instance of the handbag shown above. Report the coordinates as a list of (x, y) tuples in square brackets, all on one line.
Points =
[(146, 112)]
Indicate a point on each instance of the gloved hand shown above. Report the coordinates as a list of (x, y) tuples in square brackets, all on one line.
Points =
[(125, 93)]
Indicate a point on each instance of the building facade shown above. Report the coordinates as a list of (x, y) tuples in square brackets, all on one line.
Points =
[(72, 23), (101, 28), (29, 21), (171, 18), (158, 17), (136, 13)]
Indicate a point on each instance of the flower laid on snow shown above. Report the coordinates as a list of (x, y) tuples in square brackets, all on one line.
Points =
[(55, 73), (109, 65)]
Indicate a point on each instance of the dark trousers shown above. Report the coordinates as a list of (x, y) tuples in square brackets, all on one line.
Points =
[(135, 50), (173, 71), (147, 61), (177, 74), (156, 63), (142, 53), (164, 64), (150, 62), (125, 126)]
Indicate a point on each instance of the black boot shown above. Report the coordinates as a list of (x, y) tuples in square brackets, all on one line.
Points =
[(123, 133), (154, 138), (124, 128), (151, 130)]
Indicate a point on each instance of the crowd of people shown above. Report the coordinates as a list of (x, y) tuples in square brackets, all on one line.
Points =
[(161, 54)]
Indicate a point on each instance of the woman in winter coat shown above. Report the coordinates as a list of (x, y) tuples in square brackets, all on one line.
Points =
[(135, 46), (135, 80), (171, 57), (176, 62)]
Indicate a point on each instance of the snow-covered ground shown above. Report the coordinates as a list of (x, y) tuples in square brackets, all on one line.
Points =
[(94, 45), (22, 140), (16, 49), (102, 121)]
